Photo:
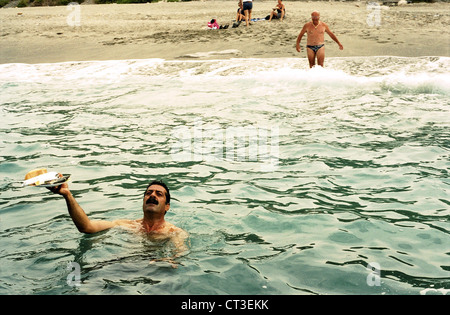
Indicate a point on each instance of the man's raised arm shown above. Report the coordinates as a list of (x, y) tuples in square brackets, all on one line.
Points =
[(79, 217)]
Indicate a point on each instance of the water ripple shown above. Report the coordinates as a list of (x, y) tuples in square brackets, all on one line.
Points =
[(361, 178)]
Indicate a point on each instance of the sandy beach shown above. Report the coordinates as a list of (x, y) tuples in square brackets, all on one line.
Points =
[(172, 30)]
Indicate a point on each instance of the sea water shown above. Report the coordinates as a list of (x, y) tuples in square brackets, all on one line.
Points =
[(289, 180)]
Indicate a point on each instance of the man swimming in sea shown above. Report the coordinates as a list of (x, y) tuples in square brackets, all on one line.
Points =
[(156, 203), (316, 39)]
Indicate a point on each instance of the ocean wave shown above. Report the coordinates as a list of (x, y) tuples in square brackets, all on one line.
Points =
[(394, 74)]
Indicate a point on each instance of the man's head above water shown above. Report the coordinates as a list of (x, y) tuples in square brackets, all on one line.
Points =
[(157, 196), (162, 184)]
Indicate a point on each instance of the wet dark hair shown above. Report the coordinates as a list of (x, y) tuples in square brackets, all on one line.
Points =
[(162, 184)]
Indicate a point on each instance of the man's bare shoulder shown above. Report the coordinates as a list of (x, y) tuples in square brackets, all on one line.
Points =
[(126, 223), (173, 229), (325, 25)]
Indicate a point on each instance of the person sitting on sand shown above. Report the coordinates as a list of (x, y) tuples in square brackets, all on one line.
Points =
[(316, 39), (240, 16), (156, 203), (278, 12)]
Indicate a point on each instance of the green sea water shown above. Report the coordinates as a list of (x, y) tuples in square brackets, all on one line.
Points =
[(289, 180)]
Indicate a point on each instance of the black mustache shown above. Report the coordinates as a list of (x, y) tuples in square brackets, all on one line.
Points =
[(152, 200)]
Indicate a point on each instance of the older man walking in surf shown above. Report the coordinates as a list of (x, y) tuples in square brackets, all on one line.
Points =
[(315, 44)]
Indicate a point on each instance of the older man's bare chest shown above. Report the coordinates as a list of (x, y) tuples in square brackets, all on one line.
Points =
[(315, 33)]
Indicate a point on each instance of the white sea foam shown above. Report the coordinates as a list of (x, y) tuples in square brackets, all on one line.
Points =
[(417, 75)]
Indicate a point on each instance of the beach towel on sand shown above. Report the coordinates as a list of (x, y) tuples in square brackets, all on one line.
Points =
[(213, 24)]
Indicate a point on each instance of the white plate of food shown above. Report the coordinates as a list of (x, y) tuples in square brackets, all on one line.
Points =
[(42, 178)]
